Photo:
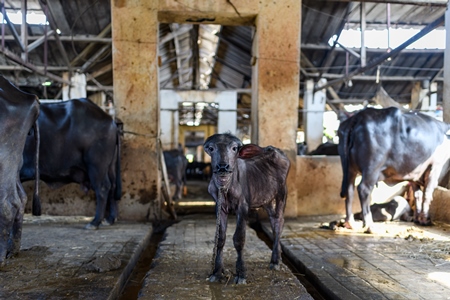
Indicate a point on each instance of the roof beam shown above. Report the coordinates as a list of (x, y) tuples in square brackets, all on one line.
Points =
[(12, 28), (32, 67), (76, 38), (106, 31), (442, 3), (387, 55), (51, 20), (373, 77), (39, 41)]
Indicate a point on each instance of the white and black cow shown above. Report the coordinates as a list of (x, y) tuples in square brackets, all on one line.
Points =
[(79, 143), (391, 146), (18, 113)]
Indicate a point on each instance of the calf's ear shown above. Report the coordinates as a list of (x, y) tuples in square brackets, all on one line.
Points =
[(249, 151)]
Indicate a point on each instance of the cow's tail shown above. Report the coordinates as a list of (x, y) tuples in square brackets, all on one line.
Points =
[(118, 190), (36, 207), (344, 150)]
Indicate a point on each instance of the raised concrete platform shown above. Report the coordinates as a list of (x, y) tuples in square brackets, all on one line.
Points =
[(404, 262), (59, 259)]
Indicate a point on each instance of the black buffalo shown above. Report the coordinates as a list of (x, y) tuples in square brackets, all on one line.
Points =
[(18, 112), (244, 178), (176, 164), (325, 149), (79, 143), (391, 146)]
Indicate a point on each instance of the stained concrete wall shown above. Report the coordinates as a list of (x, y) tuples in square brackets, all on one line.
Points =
[(319, 185)]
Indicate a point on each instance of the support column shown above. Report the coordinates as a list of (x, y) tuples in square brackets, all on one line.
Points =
[(78, 88), (363, 32), (169, 119), (275, 83), (314, 108), (446, 84), (136, 95), (227, 120)]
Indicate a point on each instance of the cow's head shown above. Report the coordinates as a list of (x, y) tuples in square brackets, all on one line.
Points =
[(224, 150)]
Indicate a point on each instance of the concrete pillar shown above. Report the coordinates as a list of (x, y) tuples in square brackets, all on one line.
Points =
[(78, 88), (424, 96), (314, 108), (362, 14), (227, 119), (136, 95), (169, 119), (275, 83), (446, 83)]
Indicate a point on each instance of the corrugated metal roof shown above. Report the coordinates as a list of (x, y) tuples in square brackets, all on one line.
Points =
[(199, 56)]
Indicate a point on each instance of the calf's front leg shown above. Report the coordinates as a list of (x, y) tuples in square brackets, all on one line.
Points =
[(221, 231), (239, 242)]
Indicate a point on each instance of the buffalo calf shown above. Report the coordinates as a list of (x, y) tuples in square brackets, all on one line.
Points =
[(245, 177)]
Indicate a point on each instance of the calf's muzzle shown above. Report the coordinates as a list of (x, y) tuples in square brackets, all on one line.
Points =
[(222, 168)]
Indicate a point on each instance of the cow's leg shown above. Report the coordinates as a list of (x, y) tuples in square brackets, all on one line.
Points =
[(239, 242), (16, 231), (417, 194), (177, 194), (349, 218), (368, 181), (6, 221), (111, 211), (221, 231), (431, 182), (102, 188)]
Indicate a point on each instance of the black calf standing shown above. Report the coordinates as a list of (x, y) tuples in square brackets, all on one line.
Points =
[(245, 177)]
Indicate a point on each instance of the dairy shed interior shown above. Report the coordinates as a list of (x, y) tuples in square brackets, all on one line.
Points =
[(271, 72)]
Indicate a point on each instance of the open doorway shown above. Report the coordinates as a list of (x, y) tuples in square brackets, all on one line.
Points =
[(198, 64)]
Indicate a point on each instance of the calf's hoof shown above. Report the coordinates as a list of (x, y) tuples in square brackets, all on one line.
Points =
[(274, 266), (90, 226), (239, 280), (214, 278), (107, 222)]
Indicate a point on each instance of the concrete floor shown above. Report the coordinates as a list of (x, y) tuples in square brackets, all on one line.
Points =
[(61, 260)]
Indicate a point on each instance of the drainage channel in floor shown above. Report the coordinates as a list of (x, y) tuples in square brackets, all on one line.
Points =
[(308, 284), (137, 277)]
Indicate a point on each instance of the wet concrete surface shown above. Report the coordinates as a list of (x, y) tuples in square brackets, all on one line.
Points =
[(184, 263), (59, 259), (402, 261)]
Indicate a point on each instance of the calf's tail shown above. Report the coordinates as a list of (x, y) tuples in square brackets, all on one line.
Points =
[(118, 190), (36, 207)]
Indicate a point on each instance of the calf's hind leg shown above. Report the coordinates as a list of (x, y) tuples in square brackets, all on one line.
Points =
[(276, 216)]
